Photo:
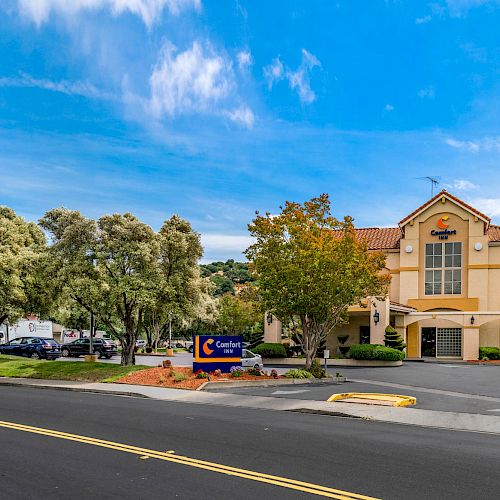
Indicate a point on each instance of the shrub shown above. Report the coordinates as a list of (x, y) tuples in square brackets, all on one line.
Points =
[(254, 371), (298, 373), (392, 339), (374, 352), (149, 349), (270, 350), (316, 370), (489, 353), (203, 375), (179, 376), (236, 371)]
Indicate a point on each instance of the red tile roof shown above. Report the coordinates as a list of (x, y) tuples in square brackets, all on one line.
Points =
[(493, 233), (379, 238), (454, 198)]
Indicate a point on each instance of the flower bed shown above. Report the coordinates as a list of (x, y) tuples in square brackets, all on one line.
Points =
[(184, 378)]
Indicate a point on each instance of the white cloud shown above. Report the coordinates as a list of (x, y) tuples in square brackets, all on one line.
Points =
[(244, 59), (274, 72), (84, 89), (427, 92), (460, 8), (190, 81), (225, 242), (489, 206), (423, 20), (299, 80), (242, 115), (149, 11), (463, 185), (486, 144), (389, 107)]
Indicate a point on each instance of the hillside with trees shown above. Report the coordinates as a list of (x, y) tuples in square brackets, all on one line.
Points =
[(227, 276)]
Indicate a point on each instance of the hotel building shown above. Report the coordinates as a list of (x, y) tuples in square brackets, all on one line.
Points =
[(444, 296)]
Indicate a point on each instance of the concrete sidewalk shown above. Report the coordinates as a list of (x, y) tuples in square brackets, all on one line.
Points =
[(409, 416)]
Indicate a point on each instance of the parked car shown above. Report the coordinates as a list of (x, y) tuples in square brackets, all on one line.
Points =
[(139, 343), (104, 348), (251, 360), (32, 347), (189, 346)]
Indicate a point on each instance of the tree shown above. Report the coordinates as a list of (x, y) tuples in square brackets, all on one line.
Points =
[(310, 267), (237, 316), (109, 267), (178, 287), (22, 259), (393, 339)]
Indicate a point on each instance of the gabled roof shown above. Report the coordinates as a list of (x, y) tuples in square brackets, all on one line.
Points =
[(434, 199)]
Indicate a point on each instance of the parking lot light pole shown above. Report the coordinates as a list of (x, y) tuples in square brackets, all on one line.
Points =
[(91, 350)]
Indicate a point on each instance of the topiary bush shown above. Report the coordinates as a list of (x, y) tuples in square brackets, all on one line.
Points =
[(270, 350), (375, 352), (298, 373), (392, 339), (489, 353)]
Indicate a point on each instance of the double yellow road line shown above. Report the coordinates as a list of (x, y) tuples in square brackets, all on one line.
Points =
[(283, 482)]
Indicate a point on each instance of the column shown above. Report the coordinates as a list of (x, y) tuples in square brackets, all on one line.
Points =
[(377, 330), (470, 343), (272, 331)]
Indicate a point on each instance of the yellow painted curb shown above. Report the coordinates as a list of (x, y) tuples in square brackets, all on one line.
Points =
[(391, 399)]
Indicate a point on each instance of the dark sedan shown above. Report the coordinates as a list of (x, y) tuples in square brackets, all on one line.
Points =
[(32, 347), (104, 348)]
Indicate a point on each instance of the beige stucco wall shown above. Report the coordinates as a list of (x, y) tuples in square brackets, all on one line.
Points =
[(351, 329)]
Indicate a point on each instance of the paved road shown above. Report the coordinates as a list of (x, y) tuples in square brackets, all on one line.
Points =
[(375, 459), (180, 359)]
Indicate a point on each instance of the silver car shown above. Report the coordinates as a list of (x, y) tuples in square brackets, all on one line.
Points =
[(251, 360)]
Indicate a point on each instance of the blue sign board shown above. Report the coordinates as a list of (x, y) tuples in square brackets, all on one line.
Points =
[(216, 352)]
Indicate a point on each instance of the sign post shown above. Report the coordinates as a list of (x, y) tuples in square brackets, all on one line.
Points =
[(216, 352), (326, 355)]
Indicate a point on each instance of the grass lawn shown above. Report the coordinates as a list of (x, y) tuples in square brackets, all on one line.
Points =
[(14, 366)]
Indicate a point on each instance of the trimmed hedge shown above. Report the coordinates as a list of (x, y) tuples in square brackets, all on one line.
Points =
[(375, 351), (270, 350), (489, 353)]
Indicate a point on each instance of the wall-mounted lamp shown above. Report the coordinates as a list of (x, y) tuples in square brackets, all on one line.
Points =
[(472, 319), (376, 317), (269, 318)]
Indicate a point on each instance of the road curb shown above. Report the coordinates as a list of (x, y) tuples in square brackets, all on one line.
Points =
[(35, 385), (268, 383)]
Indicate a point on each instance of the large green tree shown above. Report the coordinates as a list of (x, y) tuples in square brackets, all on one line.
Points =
[(310, 267), (108, 266), (22, 259), (238, 316), (178, 286)]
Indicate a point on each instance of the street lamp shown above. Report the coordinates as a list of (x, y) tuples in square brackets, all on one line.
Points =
[(376, 317), (472, 319), (269, 318)]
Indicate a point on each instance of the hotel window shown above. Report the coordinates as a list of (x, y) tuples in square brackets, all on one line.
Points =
[(451, 270)]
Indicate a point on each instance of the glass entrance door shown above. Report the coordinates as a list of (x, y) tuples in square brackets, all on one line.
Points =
[(428, 342)]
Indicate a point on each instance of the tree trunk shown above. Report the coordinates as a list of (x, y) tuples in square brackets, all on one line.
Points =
[(128, 353)]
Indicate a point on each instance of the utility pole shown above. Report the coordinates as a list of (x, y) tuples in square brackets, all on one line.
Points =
[(92, 326)]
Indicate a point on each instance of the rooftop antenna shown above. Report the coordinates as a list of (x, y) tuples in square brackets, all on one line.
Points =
[(433, 181)]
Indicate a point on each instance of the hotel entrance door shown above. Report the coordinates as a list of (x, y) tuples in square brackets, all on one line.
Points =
[(428, 342)]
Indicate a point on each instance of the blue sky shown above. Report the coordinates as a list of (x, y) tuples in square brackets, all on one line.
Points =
[(213, 109)]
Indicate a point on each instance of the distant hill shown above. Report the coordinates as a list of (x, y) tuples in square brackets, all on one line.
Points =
[(229, 276)]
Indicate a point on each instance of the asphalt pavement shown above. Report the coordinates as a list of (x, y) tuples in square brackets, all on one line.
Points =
[(353, 455)]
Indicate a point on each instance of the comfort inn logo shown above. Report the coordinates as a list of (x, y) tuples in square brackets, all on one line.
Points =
[(206, 347), (441, 223)]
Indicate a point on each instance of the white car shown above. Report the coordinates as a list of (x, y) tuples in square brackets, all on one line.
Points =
[(140, 343), (251, 360)]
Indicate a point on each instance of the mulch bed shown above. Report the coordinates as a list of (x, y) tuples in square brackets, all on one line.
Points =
[(164, 377)]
